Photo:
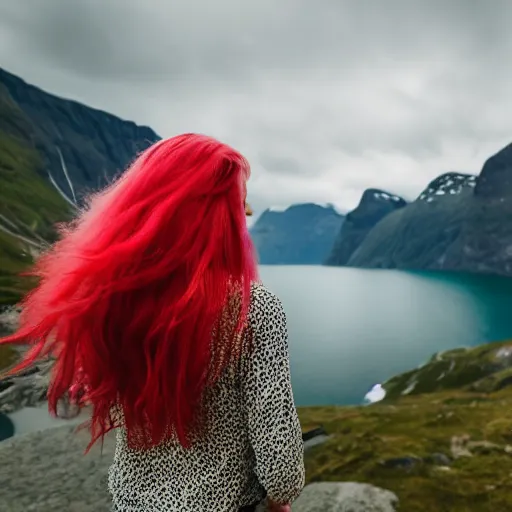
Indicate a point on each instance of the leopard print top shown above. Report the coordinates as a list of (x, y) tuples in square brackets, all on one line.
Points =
[(253, 446)]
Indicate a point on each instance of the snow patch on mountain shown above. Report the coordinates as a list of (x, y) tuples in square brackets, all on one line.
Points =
[(386, 197), (448, 184)]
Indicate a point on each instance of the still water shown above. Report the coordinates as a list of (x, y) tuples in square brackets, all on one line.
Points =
[(350, 328)]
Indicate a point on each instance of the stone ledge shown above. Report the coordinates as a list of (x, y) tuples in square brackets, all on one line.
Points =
[(345, 497), (46, 472)]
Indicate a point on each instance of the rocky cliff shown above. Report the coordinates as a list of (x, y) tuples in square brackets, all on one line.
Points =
[(419, 235), (374, 206), (81, 148), (303, 234), (52, 152), (459, 222)]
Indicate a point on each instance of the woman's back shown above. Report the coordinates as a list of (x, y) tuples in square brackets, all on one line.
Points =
[(146, 302), (252, 444)]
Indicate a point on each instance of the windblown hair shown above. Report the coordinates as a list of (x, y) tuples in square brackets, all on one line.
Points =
[(130, 299)]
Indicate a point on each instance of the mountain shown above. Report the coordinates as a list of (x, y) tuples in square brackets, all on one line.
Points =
[(53, 151), (374, 206), (303, 234), (81, 148), (460, 222)]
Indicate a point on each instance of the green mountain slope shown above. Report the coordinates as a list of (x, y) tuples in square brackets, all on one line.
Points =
[(29, 205), (53, 152), (81, 148)]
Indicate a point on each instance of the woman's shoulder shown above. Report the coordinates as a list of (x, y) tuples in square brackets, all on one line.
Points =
[(261, 295), (264, 301)]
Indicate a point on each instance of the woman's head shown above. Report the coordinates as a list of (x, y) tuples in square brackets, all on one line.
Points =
[(128, 299)]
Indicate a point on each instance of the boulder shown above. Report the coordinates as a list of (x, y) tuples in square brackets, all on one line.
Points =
[(6, 427), (345, 497), (27, 389)]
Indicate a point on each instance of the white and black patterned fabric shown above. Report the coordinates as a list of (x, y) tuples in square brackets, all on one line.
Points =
[(254, 443)]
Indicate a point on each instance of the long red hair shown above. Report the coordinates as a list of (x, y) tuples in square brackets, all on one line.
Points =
[(130, 297)]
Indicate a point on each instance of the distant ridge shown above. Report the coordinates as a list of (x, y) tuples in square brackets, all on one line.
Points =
[(301, 234)]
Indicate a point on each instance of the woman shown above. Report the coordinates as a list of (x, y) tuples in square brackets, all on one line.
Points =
[(151, 305)]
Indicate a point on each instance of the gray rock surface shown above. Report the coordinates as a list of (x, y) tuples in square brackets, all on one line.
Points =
[(25, 390), (345, 497), (46, 471)]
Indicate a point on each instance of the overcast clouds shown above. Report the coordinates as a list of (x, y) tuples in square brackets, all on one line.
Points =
[(325, 97)]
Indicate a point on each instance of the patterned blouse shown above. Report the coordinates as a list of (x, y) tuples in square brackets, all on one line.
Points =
[(253, 447)]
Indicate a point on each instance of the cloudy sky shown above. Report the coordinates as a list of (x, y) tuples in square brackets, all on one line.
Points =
[(325, 97)]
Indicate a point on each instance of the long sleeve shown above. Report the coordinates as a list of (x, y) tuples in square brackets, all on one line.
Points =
[(274, 428)]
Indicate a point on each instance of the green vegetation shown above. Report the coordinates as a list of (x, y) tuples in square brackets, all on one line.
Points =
[(485, 368), (8, 356), (29, 206), (420, 435)]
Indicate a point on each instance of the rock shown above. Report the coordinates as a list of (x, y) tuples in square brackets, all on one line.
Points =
[(27, 389), (9, 319), (405, 463), (445, 469), (310, 434), (314, 437), (462, 446), (315, 441), (438, 459), (345, 497), (6, 427), (408, 463), (458, 446), (374, 206), (484, 447), (47, 472)]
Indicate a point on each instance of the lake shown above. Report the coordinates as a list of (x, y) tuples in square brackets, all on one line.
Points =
[(351, 328)]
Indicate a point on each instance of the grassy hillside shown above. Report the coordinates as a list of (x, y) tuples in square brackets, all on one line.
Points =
[(8, 356), (486, 368), (48, 142), (447, 446), (29, 205)]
